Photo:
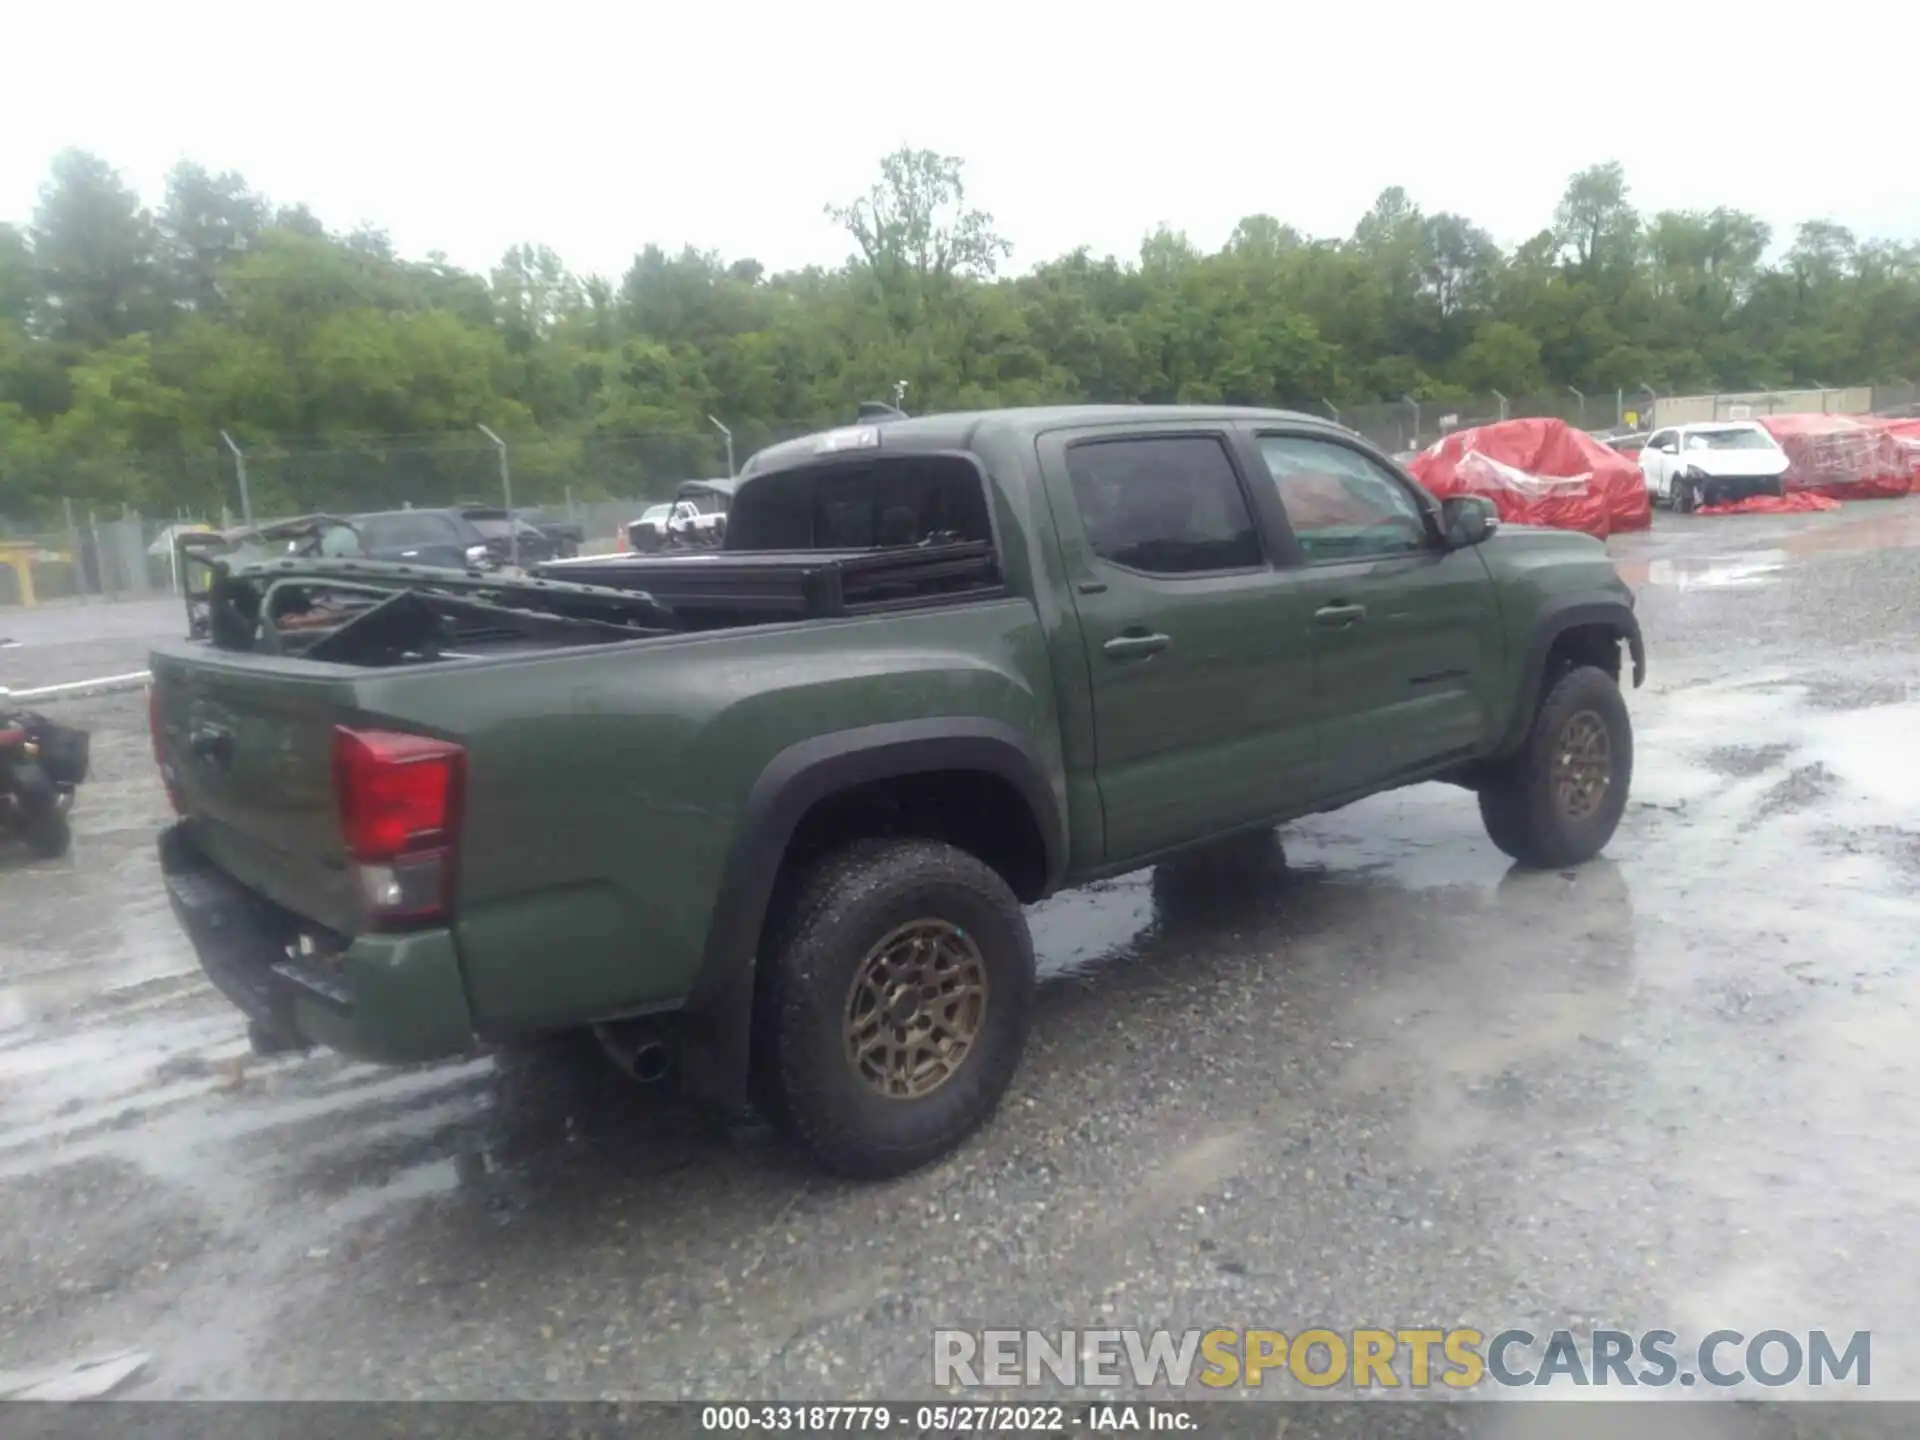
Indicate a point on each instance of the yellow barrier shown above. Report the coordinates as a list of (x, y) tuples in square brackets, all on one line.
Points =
[(18, 556)]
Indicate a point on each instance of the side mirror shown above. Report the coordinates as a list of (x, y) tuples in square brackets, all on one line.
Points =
[(1466, 520)]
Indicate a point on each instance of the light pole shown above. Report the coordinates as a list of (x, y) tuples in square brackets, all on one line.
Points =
[(1583, 405), (240, 469), (506, 493), (729, 434)]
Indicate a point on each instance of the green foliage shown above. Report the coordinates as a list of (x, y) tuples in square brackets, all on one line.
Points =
[(129, 339)]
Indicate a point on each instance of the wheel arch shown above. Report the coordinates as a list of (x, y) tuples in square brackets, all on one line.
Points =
[(1575, 631), (798, 783)]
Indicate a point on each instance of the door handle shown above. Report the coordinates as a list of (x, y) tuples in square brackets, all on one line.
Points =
[(1136, 645), (1339, 616)]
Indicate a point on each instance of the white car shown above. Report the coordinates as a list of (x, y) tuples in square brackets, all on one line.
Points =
[(1687, 466)]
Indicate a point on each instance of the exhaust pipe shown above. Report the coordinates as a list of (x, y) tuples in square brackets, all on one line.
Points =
[(652, 1063), (637, 1050)]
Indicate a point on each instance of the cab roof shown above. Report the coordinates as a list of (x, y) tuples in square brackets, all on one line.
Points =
[(956, 430)]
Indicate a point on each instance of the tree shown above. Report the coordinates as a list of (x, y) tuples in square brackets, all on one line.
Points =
[(1594, 223), (95, 247), (916, 233), (125, 338), (207, 222)]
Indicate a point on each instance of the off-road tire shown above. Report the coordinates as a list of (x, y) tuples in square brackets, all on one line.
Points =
[(48, 835), (844, 906), (1518, 803)]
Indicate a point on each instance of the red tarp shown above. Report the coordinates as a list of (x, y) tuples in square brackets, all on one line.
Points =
[(1539, 472), (1846, 457), (1793, 503)]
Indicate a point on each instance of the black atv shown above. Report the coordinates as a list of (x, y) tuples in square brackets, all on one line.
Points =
[(41, 766)]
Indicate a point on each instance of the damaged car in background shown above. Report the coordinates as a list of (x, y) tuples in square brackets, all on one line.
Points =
[(1689, 467)]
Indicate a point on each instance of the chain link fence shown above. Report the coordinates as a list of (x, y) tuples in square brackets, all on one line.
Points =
[(105, 528)]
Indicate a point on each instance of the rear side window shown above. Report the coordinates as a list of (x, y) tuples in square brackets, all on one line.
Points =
[(901, 500), (1166, 505)]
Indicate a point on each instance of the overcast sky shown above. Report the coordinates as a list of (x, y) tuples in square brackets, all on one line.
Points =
[(597, 128)]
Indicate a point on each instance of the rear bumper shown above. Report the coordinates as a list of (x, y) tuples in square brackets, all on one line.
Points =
[(395, 999)]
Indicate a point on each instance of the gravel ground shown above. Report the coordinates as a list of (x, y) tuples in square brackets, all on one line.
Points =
[(1359, 1073)]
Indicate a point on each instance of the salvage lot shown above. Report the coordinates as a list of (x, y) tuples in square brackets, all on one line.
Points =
[(1384, 1080)]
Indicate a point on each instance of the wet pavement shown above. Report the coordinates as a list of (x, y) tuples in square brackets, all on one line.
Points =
[(1361, 1073)]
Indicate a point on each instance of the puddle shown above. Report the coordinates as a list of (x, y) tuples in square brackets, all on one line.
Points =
[(1717, 572)]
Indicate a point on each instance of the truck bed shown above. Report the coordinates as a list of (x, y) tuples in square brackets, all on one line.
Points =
[(709, 588)]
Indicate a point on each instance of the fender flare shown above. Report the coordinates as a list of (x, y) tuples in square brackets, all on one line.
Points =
[(1616, 614), (716, 1023)]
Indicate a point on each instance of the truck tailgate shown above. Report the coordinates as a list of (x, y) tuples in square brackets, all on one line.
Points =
[(246, 745)]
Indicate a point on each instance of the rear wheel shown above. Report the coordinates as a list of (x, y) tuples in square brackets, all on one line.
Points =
[(901, 989), (1558, 802)]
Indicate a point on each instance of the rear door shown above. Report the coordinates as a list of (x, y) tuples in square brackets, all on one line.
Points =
[(1406, 632), (1198, 647)]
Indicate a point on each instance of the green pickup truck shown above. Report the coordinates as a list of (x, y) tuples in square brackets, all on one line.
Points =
[(764, 817)]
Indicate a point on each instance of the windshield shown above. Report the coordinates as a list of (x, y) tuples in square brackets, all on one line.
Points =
[(655, 512), (1746, 437)]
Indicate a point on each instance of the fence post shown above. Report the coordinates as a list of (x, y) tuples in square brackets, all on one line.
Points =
[(240, 469), (506, 492), (73, 548), (729, 435)]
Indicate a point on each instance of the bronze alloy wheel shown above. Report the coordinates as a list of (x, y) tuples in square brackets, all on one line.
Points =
[(915, 1008), (1582, 765)]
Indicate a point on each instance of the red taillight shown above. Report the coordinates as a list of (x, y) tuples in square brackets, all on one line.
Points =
[(399, 798), (156, 731)]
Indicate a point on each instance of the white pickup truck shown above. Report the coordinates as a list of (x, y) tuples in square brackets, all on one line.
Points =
[(697, 515), (1687, 466)]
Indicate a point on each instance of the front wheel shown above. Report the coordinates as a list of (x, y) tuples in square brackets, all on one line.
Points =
[(901, 988), (1558, 802), (1682, 496)]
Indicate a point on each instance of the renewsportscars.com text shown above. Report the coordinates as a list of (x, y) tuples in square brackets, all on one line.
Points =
[(1369, 1359)]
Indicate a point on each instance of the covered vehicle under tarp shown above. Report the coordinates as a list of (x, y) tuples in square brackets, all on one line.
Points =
[(1844, 457), (1539, 472)]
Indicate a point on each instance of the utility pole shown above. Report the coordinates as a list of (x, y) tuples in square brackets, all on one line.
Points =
[(240, 469), (729, 434), (506, 494)]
